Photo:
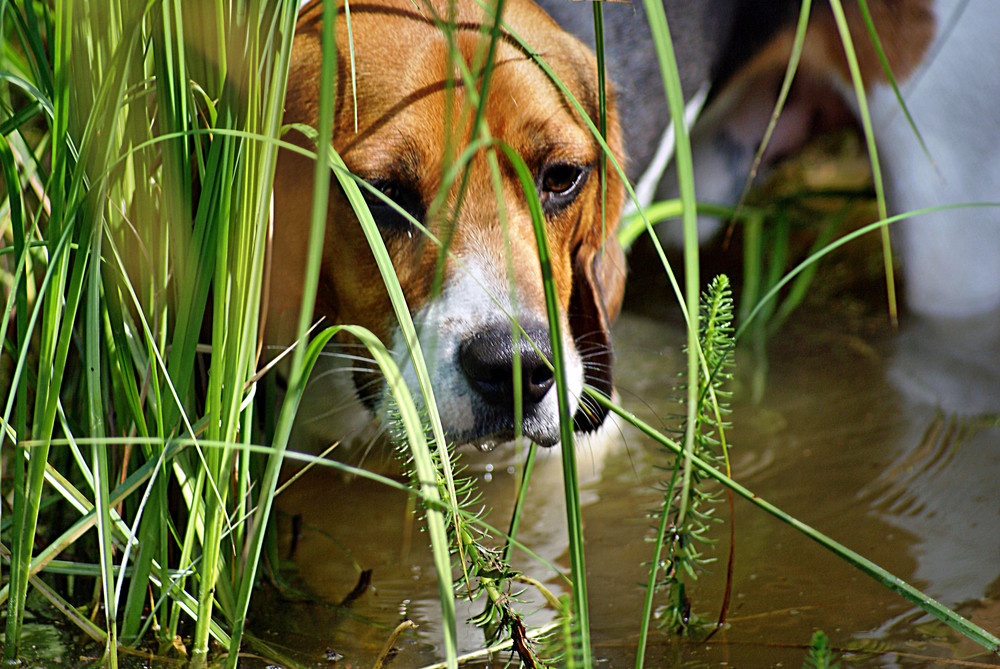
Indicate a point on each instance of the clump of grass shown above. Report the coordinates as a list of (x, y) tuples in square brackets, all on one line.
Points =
[(109, 254)]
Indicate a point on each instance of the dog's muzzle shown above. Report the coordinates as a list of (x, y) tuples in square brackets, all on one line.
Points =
[(488, 360)]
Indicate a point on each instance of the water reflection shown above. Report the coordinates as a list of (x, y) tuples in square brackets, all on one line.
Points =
[(942, 486)]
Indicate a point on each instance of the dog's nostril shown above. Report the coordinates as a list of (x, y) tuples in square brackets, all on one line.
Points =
[(538, 381), (487, 360)]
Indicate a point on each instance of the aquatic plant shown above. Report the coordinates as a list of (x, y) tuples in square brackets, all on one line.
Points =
[(820, 655), (688, 507)]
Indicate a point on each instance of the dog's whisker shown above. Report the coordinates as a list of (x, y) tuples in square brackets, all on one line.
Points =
[(646, 351), (589, 406), (339, 351), (363, 389), (365, 365), (345, 345), (587, 333), (597, 367), (346, 356), (601, 356), (337, 372), (371, 445), (581, 338), (585, 398), (332, 411), (361, 396)]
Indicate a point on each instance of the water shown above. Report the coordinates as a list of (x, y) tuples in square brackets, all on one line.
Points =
[(882, 441)]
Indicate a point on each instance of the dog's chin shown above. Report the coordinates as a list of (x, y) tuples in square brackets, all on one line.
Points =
[(488, 440)]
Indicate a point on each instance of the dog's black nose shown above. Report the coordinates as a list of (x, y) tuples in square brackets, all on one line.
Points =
[(487, 359)]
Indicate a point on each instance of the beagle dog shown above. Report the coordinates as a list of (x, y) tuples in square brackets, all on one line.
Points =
[(470, 271), (944, 55)]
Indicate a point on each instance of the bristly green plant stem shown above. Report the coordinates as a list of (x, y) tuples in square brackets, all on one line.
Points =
[(647, 607)]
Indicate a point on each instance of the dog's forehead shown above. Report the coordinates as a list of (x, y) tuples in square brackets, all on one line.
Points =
[(411, 92)]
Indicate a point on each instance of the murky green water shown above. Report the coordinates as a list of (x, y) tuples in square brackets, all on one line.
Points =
[(847, 438)]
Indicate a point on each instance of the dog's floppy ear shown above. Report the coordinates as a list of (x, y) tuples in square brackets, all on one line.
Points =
[(598, 286)]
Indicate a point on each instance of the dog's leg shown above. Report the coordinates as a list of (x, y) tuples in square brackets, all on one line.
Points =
[(951, 258)]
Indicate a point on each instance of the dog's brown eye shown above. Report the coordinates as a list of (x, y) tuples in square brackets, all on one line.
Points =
[(561, 178), (387, 188), (388, 218), (559, 184)]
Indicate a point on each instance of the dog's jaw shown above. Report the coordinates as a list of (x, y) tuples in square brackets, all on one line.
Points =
[(473, 301)]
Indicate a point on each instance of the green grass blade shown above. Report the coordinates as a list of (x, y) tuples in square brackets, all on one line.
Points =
[(19, 560), (832, 246), (93, 366), (602, 102), (87, 627), (685, 171), (28, 489), (880, 52), (425, 470), (522, 495), (570, 480), (786, 85), (866, 123), (256, 536), (27, 484)]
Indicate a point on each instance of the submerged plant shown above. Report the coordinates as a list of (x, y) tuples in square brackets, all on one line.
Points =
[(820, 654), (486, 573)]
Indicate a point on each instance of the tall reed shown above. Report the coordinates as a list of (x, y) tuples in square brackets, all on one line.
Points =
[(140, 142)]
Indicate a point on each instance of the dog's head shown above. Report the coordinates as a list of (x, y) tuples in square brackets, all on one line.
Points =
[(414, 118)]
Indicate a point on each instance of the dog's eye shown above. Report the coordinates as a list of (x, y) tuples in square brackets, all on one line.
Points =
[(387, 217), (559, 184)]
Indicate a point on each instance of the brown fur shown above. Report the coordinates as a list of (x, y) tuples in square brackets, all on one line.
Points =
[(816, 102), (905, 29)]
